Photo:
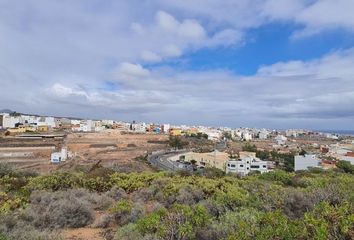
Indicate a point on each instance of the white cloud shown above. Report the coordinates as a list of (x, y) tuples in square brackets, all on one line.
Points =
[(171, 51), (149, 56), (226, 37), (59, 54), (129, 71), (167, 21), (302, 92)]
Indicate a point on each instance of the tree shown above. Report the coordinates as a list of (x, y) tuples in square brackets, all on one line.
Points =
[(249, 147), (227, 135), (346, 166), (302, 152), (176, 142)]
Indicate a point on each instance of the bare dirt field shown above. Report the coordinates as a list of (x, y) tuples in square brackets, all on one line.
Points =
[(112, 148), (33, 154)]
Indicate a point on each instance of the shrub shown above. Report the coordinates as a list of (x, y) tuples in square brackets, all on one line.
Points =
[(28, 232), (189, 195), (242, 224), (56, 181), (116, 193), (330, 222), (59, 210), (213, 172), (18, 226), (103, 221), (128, 232), (124, 212), (180, 222), (297, 203), (346, 166), (5, 169), (278, 176)]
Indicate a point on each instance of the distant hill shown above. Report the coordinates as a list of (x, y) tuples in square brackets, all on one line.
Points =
[(6, 111)]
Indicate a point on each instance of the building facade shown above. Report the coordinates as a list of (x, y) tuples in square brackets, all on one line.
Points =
[(246, 165), (304, 162)]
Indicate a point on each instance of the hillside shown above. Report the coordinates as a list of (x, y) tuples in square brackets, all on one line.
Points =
[(104, 204)]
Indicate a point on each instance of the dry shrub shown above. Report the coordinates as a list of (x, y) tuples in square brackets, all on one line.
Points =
[(18, 225), (189, 195), (117, 193), (297, 203), (60, 209), (103, 221)]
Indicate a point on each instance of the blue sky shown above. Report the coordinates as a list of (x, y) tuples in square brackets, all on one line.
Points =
[(256, 63)]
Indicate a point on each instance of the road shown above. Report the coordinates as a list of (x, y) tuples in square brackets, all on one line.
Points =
[(160, 160)]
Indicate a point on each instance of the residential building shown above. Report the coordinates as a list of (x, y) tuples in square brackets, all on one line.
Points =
[(263, 135), (215, 159), (303, 162), (166, 128), (247, 136), (280, 139), (175, 131), (245, 165), (57, 157)]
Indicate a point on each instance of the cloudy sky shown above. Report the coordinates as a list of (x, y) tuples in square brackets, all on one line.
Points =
[(255, 63)]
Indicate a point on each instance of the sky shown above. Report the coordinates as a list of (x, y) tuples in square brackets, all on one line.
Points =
[(236, 63)]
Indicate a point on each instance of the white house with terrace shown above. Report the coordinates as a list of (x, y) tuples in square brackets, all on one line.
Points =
[(245, 165)]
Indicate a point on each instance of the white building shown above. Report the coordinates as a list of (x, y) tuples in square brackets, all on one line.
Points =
[(166, 128), (213, 134), (139, 127), (280, 139), (245, 165), (247, 136), (263, 135), (10, 121), (57, 157), (291, 133), (303, 162), (46, 121)]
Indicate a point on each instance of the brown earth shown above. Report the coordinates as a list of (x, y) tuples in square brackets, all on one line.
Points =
[(83, 234), (112, 148)]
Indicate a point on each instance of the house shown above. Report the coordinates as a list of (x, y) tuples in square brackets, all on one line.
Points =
[(139, 127), (303, 162), (57, 157), (280, 139), (215, 159), (9, 121), (43, 128), (22, 129), (245, 165), (247, 136), (263, 135), (175, 131), (166, 128)]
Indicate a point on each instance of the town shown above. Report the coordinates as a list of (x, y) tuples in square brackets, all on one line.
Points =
[(46, 143)]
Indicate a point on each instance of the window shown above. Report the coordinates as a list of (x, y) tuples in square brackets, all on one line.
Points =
[(241, 165), (233, 165), (254, 166), (228, 164), (264, 166), (248, 161)]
